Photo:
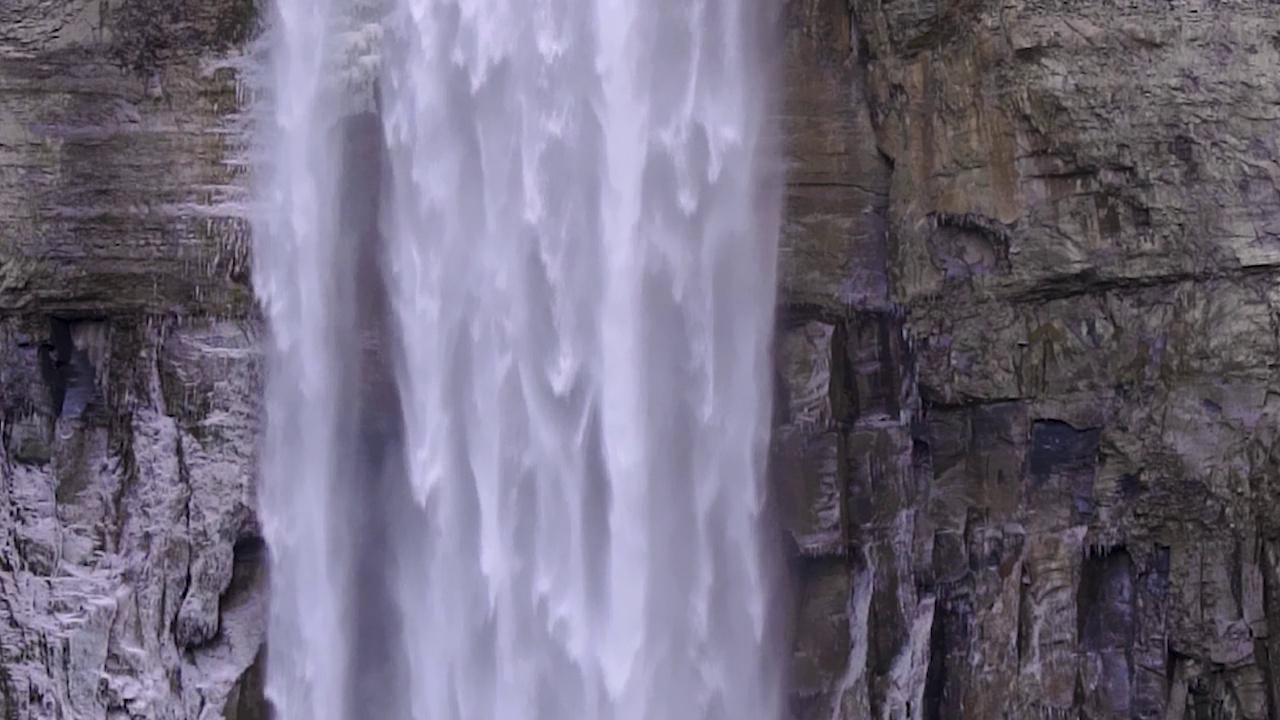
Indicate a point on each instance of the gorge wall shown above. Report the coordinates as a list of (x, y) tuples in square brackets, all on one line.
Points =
[(130, 562), (1026, 448), (1028, 358)]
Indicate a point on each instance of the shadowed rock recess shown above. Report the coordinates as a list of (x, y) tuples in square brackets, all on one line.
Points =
[(1027, 438)]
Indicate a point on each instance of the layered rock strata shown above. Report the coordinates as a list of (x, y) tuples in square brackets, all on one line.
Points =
[(1029, 435), (1026, 440), (131, 568)]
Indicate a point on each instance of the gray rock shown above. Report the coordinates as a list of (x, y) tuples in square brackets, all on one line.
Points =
[(1043, 236), (129, 375), (119, 555), (1027, 423)]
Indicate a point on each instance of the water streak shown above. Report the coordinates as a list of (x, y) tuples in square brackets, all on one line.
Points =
[(517, 257)]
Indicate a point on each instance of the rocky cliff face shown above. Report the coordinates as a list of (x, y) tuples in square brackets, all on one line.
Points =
[(1027, 364), (131, 577), (1026, 446)]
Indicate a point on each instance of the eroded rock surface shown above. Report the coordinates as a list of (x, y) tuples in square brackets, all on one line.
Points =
[(131, 567), (1026, 449), (1029, 355)]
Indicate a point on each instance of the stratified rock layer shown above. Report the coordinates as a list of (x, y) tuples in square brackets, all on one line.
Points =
[(1029, 449), (131, 569), (1026, 451)]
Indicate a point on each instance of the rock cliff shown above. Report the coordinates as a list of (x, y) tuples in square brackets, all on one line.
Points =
[(1028, 439), (1026, 449), (131, 573)]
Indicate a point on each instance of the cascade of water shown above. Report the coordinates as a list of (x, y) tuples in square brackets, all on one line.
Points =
[(538, 484), (295, 255)]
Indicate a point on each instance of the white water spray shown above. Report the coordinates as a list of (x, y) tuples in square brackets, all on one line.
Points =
[(520, 300)]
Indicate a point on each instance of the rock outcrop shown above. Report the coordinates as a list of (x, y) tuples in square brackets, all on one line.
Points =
[(131, 569), (1029, 417)]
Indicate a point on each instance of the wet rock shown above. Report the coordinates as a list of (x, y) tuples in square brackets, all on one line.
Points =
[(805, 363), (1078, 265), (822, 626), (30, 440), (815, 495), (127, 414)]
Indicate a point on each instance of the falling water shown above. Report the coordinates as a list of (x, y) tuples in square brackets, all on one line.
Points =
[(517, 258)]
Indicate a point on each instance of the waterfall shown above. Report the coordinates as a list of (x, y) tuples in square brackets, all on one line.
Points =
[(517, 259)]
